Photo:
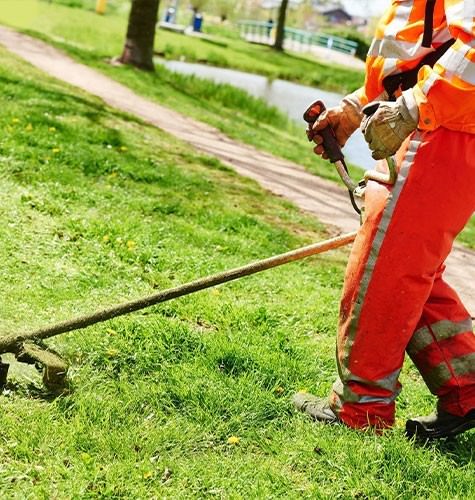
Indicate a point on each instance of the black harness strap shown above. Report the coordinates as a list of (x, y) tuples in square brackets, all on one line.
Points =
[(428, 24), (407, 79)]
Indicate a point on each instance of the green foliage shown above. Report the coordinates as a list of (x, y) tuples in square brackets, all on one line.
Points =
[(113, 6), (468, 235), (353, 35), (223, 8), (198, 5)]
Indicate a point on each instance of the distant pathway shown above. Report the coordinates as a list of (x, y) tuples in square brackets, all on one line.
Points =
[(323, 198)]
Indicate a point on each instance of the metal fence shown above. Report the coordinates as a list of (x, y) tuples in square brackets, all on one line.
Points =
[(263, 32)]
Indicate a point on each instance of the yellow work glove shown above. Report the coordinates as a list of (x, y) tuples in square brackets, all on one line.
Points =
[(386, 129), (344, 120)]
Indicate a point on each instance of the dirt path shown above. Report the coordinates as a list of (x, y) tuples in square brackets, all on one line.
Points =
[(326, 200)]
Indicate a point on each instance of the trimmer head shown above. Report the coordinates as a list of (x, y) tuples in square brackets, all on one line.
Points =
[(55, 369)]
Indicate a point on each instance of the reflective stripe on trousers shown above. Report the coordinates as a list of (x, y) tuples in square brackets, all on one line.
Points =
[(394, 294)]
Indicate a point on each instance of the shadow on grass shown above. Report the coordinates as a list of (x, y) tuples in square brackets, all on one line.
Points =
[(31, 390), (459, 449), (61, 97)]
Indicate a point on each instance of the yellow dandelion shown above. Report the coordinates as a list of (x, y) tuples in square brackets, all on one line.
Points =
[(29, 127), (131, 245), (86, 458), (234, 440), (52, 129), (15, 120), (55, 150), (123, 149), (280, 390), (106, 238), (215, 291), (148, 474)]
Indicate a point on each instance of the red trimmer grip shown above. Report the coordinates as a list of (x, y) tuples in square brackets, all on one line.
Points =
[(330, 144)]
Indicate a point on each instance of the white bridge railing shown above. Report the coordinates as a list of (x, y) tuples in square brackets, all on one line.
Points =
[(263, 32)]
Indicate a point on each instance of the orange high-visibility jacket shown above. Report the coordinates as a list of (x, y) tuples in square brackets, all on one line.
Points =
[(444, 94)]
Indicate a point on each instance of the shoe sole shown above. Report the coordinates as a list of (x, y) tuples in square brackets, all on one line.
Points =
[(420, 433)]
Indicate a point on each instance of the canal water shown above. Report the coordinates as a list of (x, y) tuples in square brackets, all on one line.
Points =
[(291, 98)]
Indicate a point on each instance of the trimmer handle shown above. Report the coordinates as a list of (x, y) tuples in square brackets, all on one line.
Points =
[(330, 144)]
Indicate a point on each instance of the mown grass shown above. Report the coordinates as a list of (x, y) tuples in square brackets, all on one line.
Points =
[(467, 236), (94, 40), (97, 207)]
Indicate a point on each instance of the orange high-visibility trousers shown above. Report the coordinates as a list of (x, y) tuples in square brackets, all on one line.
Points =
[(394, 297)]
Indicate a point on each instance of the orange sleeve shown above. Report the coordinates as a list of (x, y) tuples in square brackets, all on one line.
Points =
[(397, 45), (445, 94)]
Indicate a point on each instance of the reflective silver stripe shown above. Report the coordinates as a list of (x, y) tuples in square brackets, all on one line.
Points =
[(461, 14), (400, 21), (390, 67), (346, 395), (464, 365), (398, 49), (374, 399), (455, 63), (454, 59), (442, 330), (430, 82), (375, 48), (375, 249), (438, 376)]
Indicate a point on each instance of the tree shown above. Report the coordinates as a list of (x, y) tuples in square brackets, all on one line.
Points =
[(224, 8), (197, 5), (138, 48), (280, 32)]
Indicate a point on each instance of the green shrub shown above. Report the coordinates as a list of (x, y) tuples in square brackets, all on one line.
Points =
[(350, 34)]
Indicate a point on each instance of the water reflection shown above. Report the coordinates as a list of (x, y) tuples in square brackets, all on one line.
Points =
[(289, 97)]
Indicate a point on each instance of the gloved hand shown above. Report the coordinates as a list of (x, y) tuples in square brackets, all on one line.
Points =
[(387, 128), (344, 119)]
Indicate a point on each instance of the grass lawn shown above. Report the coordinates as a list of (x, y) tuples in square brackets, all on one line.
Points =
[(97, 207), (93, 39), (223, 48)]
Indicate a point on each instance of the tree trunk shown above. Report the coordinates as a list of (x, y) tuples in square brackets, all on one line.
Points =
[(280, 33), (138, 48)]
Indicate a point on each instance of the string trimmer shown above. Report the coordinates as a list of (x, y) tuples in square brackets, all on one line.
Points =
[(28, 347)]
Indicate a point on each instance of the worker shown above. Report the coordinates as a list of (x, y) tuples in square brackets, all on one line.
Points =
[(420, 72)]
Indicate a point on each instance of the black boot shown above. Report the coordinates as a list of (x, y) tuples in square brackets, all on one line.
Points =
[(317, 408), (439, 425)]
